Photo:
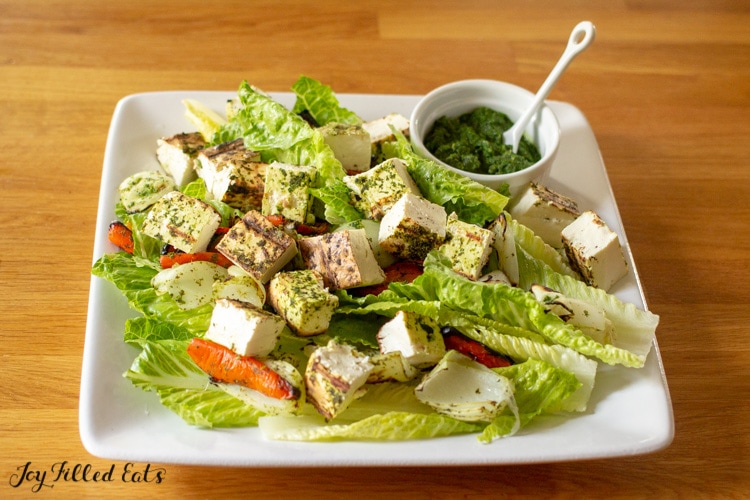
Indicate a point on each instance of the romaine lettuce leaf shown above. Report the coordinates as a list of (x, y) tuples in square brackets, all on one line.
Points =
[(336, 198), (392, 426), (133, 278), (539, 388), (139, 330), (263, 123), (321, 103), (513, 306), (635, 329), (536, 248), (521, 347), (165, 368), (472, 202)]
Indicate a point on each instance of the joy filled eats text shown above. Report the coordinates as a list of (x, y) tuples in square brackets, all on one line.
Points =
[(31, 476)]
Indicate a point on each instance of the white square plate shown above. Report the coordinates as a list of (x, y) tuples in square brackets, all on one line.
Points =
[(630, 411)]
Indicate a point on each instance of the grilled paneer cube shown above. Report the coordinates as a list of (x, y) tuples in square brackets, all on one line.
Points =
[(178, 155), (412, 227), (141, 190), (391, 367), (287, 191), (334, 377), (343, 258), (300, 297), (545, 212), (417, 337), (379, 188), (372, 230), (594, 250), (182, 221), (244, 328), (350, 145), (380, 132), (257, 246), (233, 174), (467, 246)]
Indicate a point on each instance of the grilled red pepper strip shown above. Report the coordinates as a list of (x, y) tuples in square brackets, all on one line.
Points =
[(475, 350), (121, 235), (170, 259), (225, 366)]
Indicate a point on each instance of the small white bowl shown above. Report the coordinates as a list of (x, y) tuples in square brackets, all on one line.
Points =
[(457, 98)]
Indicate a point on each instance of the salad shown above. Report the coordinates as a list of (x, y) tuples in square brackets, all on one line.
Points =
[(427, 346)]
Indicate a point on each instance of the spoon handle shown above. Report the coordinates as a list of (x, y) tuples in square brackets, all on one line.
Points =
[(580, 38)]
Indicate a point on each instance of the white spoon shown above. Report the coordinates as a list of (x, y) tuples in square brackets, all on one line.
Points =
[(580, 38)]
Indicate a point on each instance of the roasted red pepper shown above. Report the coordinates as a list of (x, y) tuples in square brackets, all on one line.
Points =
[(473, 349), (121, 235)]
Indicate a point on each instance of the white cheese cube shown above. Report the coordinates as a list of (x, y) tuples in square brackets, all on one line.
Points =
[(343, 258), (186, 223), (287, 191), (412, 227), (378, 189), (178, 156), (233, 174), (301, 299), (141, 190), (257, 246), (468, 247), (380, 132), (244, 328), (350, 145), (334, 377), (594, 250), (417, 337), (391, 367), (545, 212)]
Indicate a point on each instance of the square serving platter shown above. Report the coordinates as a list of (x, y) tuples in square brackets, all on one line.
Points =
[(630, 411)]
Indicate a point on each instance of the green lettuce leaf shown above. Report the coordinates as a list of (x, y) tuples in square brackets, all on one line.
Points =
[(321, 103), (635, 329), (392, 426), (513, 306), (336, 198), (133, 278), (165, 368), (263, 123), (522, 346), (538, 388), (139, 330), (472, 202), (537, 249)]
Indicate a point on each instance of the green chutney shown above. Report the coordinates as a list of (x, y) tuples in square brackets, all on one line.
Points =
[(473, 142)]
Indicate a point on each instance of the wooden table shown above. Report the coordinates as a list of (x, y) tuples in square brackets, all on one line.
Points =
[(666, 88)]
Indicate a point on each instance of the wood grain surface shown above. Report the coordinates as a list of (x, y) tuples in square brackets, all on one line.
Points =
[(665, 87)]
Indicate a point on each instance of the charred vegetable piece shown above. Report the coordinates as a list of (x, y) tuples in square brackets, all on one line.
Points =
[(170, 259), (121, 235), (473, 349), (225, 366)]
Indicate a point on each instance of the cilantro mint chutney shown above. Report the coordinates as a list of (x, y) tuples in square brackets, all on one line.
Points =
[(473, 142)]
